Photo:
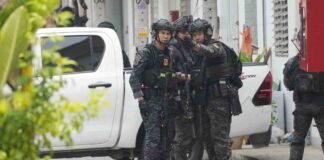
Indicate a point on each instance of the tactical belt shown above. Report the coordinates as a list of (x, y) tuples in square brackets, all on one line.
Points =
[(308, 97), (152, 92)]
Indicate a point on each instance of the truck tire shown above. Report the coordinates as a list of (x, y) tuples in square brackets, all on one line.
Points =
[(261, 139)]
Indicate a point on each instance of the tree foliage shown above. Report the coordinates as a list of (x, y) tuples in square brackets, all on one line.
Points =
[(30, 116)]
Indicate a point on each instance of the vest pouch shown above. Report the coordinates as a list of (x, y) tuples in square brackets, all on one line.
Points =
[(213, 91), (167, 80), (305, 82), (234, 100), (223, 88)]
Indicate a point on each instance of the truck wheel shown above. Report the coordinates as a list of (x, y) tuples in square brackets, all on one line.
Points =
[(261, 139)]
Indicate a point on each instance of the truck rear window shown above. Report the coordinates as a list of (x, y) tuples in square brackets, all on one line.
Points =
[(86, 50)]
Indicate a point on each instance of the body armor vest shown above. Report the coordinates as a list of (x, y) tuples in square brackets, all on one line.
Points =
[(159, 74), (220, 67)]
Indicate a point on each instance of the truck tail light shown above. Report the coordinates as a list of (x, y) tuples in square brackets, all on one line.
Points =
[(264, 94)]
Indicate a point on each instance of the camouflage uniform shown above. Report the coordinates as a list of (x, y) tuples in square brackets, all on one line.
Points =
[(152, 78), (222, 81), (155, 108), (219, 113), (185, 62), (309, 99), (184, 126), (186, 122)]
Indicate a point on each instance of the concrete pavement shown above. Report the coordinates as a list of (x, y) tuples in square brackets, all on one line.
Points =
[(274, 152)]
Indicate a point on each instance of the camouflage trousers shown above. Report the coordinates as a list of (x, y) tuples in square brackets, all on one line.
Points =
[(184, 134), (303, 115), (218, 110), (155, 113)]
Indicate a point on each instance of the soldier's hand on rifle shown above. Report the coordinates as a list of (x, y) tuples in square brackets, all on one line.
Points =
[(196, 47), (183, 76), (189, 42)]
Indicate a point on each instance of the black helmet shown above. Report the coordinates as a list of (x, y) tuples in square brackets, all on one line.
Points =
[(182, 24), (201, 25), (161, 24), (106, 24)]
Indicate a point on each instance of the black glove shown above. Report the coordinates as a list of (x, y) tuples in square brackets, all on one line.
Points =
[(188, 42)]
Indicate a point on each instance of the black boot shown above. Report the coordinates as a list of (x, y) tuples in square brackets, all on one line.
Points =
[(296, 151)]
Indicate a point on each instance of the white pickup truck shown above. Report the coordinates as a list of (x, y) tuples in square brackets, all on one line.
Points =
[(118, 130)]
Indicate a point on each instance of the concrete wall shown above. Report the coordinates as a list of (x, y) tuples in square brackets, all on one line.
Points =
[(229, 23)]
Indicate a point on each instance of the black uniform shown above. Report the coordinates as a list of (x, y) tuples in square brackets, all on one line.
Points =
[(222, 69), (186, 63), (309, 99)]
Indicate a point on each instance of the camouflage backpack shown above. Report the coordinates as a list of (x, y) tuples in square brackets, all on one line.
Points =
[(290, 72)]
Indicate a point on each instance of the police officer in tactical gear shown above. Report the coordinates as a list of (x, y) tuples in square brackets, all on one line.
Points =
[(185, 62), (152, 82), (308, 96), (221, 76), (107, 24)]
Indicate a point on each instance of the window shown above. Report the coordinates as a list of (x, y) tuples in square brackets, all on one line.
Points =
[(281, 27), (86, 50)]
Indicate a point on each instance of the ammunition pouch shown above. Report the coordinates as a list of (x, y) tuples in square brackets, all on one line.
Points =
[(167, 80), (224, 88), (218, 88), (234, 101)]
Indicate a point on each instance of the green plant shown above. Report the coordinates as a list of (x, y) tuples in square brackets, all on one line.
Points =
[(244, 57), (274, 105), (30, 116), (274, 116), (261, 55)]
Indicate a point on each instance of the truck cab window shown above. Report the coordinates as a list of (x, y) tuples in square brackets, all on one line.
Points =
[(86, 50)]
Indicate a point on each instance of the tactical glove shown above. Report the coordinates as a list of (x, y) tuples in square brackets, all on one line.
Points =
[(188, 42)]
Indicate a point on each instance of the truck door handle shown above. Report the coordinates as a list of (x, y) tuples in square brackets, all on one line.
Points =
[(100, 84)]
